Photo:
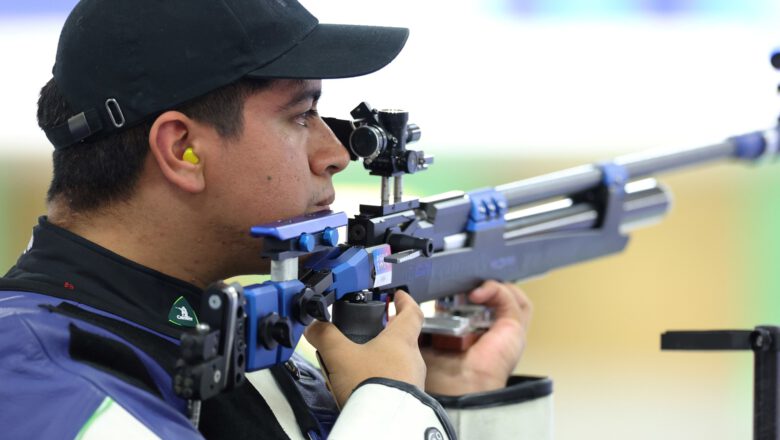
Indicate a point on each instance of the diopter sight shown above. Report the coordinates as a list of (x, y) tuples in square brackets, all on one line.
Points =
[(380, 137)]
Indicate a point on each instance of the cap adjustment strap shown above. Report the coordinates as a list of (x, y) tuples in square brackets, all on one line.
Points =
[(115, 113), (76, 129)]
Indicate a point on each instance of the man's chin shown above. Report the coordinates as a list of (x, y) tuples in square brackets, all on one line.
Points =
[(262, 268), (318, 208)]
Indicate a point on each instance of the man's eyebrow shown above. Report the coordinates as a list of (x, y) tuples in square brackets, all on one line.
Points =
[(305, 93)]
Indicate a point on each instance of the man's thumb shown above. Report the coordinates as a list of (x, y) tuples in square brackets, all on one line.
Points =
[(321, 334)]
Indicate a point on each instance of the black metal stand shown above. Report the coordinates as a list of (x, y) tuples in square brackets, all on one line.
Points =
[(764, 341)]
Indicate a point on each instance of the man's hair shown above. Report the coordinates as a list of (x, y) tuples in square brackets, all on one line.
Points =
[(100, 172)]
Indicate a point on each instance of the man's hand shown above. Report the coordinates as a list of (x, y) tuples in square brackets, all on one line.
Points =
[(487, 364), (393, 354)]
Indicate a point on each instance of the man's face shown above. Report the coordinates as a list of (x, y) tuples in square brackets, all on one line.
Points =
[(281, 166)]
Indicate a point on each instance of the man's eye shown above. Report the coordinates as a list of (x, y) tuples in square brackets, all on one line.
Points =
[(304, 118)]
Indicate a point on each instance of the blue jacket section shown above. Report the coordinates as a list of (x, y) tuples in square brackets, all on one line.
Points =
[(37, 371)]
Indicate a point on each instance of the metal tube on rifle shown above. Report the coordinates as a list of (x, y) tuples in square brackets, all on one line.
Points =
[(586, 177), (639, 207)]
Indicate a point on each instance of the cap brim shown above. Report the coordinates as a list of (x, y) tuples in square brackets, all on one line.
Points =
[(337, 51)]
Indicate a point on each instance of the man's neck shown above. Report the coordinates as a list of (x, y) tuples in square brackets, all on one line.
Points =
[(125, 230)]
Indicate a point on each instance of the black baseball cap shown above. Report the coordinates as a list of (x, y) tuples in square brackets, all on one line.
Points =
[(120, 62)]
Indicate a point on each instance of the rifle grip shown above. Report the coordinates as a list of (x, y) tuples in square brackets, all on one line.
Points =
[(360, 322)]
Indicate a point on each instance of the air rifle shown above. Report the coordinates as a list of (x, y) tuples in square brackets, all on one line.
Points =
[(431, 248)]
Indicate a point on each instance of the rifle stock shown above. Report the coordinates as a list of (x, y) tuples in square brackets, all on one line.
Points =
[(443, 245)]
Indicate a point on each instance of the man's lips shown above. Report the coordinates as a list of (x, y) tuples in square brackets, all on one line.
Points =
[(324, 203)]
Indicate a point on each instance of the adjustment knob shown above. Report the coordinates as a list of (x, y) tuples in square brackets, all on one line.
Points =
[(282, 332), (410, 162), (413, 133), (330, 236), (317, 308), (306, 242), (274, 330), (310, 306)]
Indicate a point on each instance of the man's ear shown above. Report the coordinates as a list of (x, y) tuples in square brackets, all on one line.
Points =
[(172, 134)]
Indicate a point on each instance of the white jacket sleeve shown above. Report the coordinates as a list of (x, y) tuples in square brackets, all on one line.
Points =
[(387, 409), (520, 411)]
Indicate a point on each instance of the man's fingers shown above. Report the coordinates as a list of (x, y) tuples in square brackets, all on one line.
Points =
[(406, 323), (408, 319), (507, 299), (407, 308)]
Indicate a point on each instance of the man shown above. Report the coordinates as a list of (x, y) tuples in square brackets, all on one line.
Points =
[(177, 125)]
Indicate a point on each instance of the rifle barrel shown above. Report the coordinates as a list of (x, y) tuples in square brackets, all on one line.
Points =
[(750, 147)]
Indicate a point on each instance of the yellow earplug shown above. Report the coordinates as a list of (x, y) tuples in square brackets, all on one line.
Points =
[(190, 156)]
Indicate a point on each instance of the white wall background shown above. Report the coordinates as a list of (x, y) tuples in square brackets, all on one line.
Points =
[(479, 83)]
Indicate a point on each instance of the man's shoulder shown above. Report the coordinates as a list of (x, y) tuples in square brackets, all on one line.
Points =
[(53, 391)]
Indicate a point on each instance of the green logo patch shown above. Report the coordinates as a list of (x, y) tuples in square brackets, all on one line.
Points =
[(182, 314)]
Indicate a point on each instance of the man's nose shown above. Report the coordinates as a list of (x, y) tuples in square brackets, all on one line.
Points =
[(329, 155)]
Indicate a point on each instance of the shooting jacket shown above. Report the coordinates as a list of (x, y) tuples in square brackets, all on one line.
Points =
[(89, 343)]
